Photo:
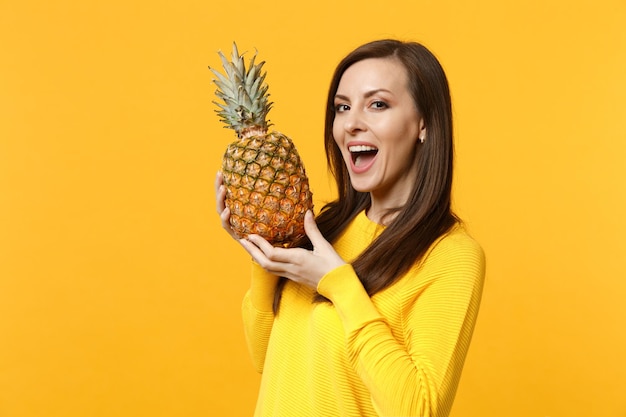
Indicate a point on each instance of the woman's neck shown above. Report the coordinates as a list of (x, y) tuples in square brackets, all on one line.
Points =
[(386, 204), (380, 214)]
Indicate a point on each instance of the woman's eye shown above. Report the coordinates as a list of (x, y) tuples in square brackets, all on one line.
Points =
[(341, 108), (379, 105)]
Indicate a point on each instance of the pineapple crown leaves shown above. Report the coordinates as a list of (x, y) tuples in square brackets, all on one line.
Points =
[(243, 92)]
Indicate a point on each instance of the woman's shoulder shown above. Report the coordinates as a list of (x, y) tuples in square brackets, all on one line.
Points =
[(457, 250), (457, 239), (456, 260)]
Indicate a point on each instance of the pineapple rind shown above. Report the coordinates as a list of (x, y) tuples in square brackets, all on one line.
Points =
[(273, 203)]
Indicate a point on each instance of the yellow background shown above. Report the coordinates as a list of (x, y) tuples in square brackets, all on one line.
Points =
[(120, 293)]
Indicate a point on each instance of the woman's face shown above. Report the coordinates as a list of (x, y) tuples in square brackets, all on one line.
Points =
[(377, 128)]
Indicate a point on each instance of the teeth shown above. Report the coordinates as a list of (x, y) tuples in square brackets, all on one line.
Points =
[(361, 148)]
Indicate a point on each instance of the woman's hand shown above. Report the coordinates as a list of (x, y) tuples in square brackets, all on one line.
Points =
[(297, 264)]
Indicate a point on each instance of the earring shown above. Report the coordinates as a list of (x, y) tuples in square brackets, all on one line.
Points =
[(421, 140)]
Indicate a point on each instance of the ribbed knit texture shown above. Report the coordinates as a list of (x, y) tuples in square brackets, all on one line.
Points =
[(399, 353)]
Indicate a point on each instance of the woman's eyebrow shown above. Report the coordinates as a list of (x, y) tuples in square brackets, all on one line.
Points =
[(366, 95), (376, 91)]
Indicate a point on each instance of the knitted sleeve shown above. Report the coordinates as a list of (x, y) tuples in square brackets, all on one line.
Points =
[(413, 369), (257, 314)]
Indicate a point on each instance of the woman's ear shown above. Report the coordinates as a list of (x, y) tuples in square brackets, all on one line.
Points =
[(422, 133)]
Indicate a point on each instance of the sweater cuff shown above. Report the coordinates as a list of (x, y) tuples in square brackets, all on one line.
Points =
[(262, 288), (343, 287)]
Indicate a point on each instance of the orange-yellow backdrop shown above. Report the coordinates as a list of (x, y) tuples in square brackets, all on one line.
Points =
[(119, 292)]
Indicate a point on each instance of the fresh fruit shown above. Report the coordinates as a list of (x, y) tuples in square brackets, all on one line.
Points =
[(267, 190)]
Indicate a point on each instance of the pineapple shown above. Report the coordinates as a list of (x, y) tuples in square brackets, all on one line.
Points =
[(267, 190)]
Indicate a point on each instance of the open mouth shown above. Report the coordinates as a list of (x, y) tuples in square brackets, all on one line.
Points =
[(362, 154)]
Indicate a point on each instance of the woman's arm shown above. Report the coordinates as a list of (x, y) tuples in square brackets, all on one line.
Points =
[(257, 313), (416, 372)]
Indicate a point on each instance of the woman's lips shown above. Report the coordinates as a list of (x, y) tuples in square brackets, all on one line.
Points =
[(362, 157)]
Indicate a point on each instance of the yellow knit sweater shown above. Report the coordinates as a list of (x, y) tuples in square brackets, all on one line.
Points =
[(398, 353)]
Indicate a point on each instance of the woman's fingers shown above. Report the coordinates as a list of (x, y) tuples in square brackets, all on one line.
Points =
[(270, 258), (220, 202), (269, 251), (311, 230), (220, 192)]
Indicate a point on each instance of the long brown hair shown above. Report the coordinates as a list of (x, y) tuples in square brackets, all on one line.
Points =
[(427, 214)]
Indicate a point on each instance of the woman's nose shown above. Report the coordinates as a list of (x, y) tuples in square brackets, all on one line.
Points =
[(354, 122)]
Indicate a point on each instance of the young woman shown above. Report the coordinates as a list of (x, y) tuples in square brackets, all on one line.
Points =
[(373, 314)]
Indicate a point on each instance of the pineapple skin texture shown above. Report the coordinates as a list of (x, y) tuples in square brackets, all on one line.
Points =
[(267, 190)]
